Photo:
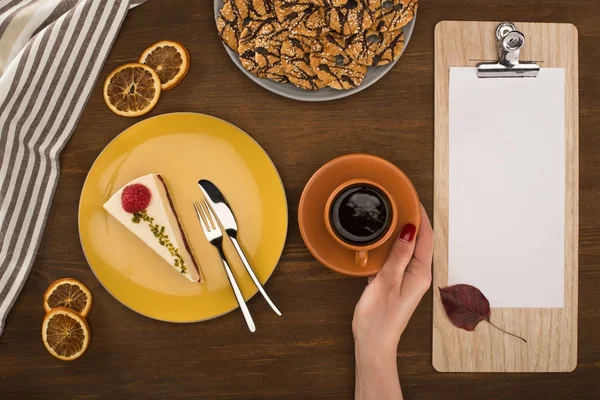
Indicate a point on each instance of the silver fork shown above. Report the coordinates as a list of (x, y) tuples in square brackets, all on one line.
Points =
[(214, 235)]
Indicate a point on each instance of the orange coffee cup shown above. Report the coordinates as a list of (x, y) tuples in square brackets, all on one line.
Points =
[(362, 251)]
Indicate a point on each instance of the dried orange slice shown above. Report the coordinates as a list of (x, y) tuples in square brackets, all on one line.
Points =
[(65, 333), (69, 293), (169, 59), (132, 90)]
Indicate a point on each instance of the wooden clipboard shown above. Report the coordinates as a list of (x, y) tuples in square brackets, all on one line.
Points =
[(551, 332)]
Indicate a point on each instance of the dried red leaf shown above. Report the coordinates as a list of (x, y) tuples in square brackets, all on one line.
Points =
[(466, 307)]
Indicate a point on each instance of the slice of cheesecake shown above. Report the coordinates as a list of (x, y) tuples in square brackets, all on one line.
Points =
[(145, 207)]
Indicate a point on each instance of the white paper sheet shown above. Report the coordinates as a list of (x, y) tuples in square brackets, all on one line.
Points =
[(507, 187)]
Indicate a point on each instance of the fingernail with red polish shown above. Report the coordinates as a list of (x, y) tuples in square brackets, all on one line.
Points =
[(408, 233)]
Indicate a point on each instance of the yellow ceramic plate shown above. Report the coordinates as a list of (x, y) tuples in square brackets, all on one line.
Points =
[(184, 148)]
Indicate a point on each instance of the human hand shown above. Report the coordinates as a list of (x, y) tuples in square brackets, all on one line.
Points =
[(392, 296)]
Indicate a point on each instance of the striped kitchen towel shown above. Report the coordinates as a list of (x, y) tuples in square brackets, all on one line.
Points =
[(51, 53)]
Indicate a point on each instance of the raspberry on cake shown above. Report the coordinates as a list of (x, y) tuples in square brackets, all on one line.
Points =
[(135, 198), (145, 207)]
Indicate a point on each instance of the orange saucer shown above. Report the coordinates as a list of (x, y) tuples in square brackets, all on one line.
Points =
[(316, 192)]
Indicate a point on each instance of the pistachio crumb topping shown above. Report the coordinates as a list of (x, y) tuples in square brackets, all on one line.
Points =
[(163, 239)]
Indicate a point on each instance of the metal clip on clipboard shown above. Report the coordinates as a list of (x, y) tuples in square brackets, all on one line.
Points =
[(509, 41)]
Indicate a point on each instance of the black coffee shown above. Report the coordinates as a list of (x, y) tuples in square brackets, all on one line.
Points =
[(360, 214)]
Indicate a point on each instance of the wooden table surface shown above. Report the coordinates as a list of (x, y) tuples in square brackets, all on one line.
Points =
[(307, 353)]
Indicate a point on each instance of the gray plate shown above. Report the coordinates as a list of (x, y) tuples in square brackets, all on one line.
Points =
[(293, 92)]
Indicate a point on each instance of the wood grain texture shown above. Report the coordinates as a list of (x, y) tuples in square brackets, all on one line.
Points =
[(307, 353), (551, 333)]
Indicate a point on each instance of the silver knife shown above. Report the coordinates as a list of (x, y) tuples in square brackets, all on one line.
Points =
[(221, 208)]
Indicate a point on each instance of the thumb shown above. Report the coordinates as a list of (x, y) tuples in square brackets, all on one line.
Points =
[(400, 255)]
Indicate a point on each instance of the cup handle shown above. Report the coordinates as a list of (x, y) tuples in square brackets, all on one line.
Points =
[(362, 257)]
